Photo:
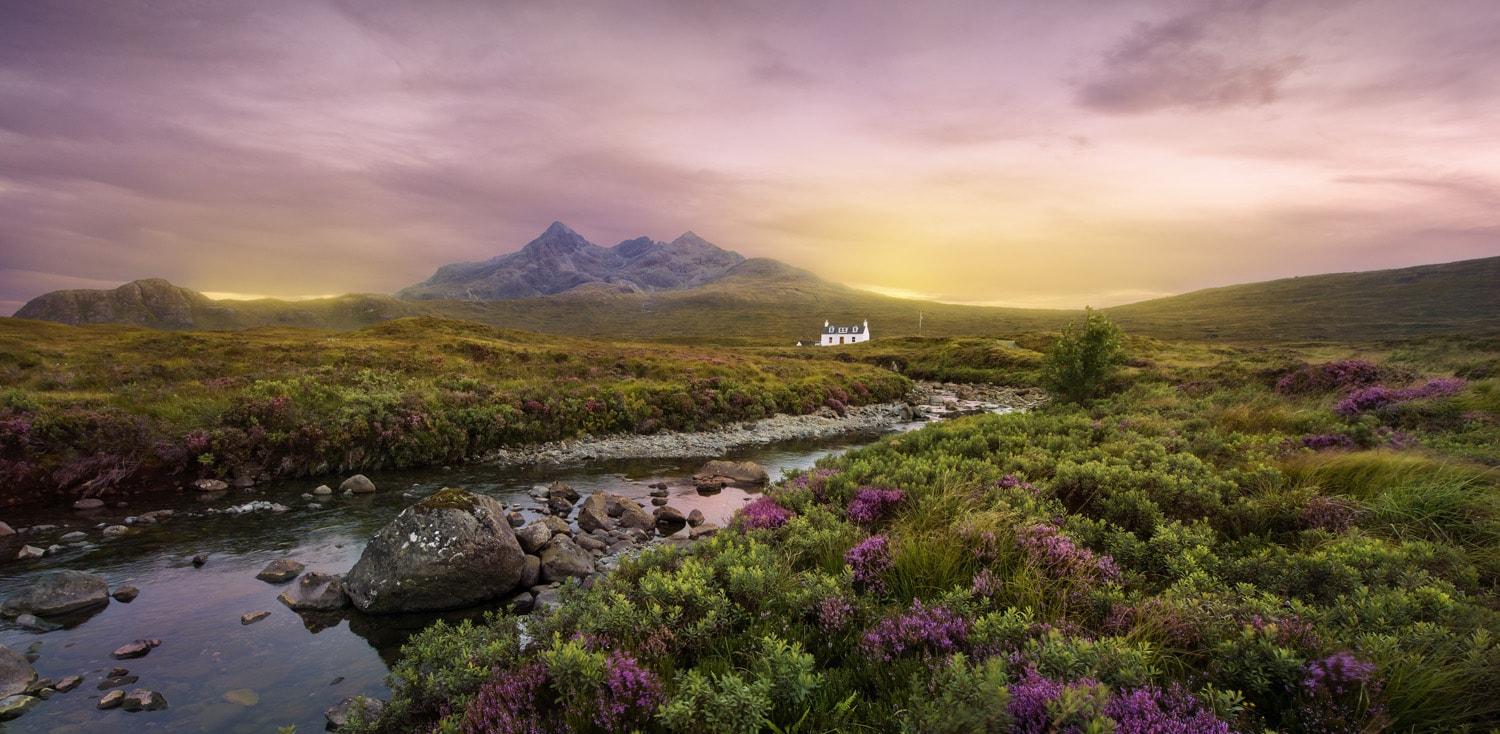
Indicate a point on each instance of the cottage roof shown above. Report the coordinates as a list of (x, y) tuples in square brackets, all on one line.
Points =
[(844, 328)]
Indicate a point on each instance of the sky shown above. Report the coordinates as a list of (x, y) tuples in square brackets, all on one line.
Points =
[(1002, 152)]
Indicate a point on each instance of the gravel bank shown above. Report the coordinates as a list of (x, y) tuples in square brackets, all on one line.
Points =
[(926, 401)]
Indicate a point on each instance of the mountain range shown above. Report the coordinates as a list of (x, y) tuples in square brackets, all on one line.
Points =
[(689, 290)]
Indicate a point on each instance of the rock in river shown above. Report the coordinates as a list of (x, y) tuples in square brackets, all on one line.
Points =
[(358, 484), (280, 570), (316, 592), (450, 550), (126, 594), (141, 699), (16, 673), (13, 706), (743, 473), (59, 593), (137, 649)]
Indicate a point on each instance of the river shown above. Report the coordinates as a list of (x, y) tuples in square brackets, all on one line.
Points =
[(221, 676)]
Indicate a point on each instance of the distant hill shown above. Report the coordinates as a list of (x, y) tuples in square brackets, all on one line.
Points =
[(1452, 298), (561, 260), (159, 304)]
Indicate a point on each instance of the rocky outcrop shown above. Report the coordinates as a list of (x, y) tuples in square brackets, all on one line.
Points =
[(59, 593), (562, 260), (451, 550)]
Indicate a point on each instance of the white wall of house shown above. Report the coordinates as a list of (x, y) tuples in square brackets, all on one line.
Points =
[(845, 334)]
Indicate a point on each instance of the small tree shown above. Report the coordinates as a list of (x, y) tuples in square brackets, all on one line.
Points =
[(1077, 366)]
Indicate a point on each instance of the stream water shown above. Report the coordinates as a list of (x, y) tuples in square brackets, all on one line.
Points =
[(221, 676)]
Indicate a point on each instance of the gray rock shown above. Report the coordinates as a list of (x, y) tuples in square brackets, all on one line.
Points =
[(558, 489), (659, 501), (669, 515), (13, 706), (531, 572), (450, 550), (323, 489), (29, 552), (142, 699), (115, 531), (58, 593), (743, 473), (562, 558), (659, 491), (74, 536), (532, 537), (30, 621), (253, 617), (6, 530), (636, 517), (559, 506), (316, 592), (515, 519), (695, 518), (358, 484), (16, 673), (88, 503), (558, 525), (69, 682), (617, 505), (706, 530), (280, 571), (590, 543), (210, 485), (367, 709), (546, 597), (112, 700), (137, 649), (591, 519), (126, 594)]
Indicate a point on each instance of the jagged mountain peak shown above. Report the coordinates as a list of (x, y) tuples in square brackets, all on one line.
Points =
[(561, 260)]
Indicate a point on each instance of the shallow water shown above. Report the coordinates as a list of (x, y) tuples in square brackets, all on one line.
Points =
[(290, 667)]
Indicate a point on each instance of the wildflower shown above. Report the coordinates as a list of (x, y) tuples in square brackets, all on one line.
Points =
[(933, 630), (628, 697), (870, 559), (834, 614), (507, 704), (870, 504), (1057, 555), (763, 513), (986, 584)]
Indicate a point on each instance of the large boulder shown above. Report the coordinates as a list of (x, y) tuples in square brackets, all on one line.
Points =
[(562, 558), (316, 592), (58, 593), (16, 673), (451, 550), (744, 473)]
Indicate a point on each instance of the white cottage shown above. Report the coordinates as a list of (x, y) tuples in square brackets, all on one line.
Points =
[(854, 334)]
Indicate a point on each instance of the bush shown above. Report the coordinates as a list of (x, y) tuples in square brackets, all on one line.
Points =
[(1078, 364)]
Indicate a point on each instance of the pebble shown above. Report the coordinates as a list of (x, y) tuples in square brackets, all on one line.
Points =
[(142, 699), (126, 594), (253, 617), (112, 699), (74, 536), (30, 551), (69, 683), (137, 649), (115, 531)]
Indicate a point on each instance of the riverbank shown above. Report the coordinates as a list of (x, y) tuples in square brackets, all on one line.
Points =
[(926, 401)]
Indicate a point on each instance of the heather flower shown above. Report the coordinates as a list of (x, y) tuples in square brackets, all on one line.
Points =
[(1011, 481), (1029, 700), (1151, 710), (870, 504), (629, 696), (763, 513), (935, 630), (834, 614), (986, 584), (1329, 513), (1059, 557), (507, 704), (815, 481), (1340, 695), (1322, 378), (870, 559), (1378, 397)]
